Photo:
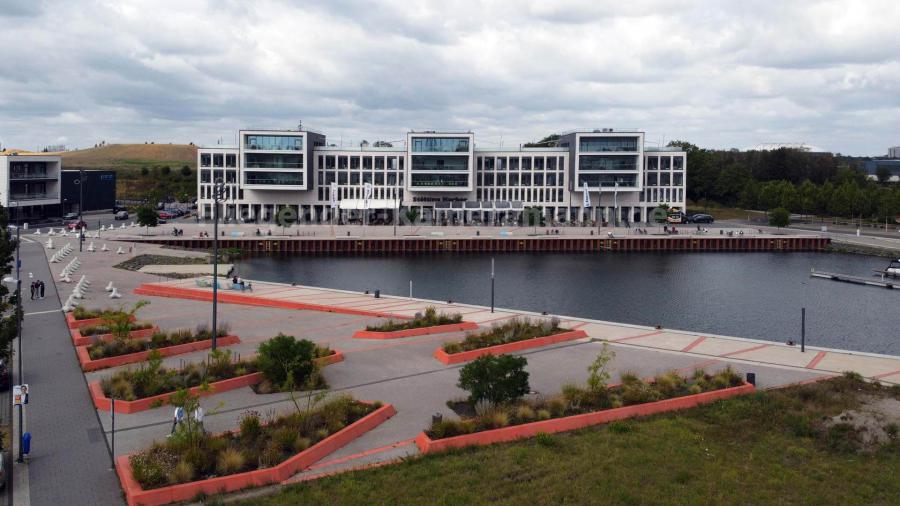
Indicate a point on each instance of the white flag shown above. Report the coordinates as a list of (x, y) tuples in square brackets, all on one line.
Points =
[(587, 195), (334, 196), (367, 193)]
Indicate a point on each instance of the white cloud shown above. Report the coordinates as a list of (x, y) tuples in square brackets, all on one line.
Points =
[(718, 73)]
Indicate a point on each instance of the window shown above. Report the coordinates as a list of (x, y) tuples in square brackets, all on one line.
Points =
[(501, 163), (459, 163), (664, 178), (551, 163), (330, 162), (231, 176), (501, 179), (379, 178), (379, 163), (539, 179), (678, 178), (514, 163), (607, 180), (354, 178), (440, 145), (231, 161), (354, 163), (551, 179), (273, 142), (600, 162), (538, 163), (342, 162), (274, 178), (608, 144), (526, 163), (439, 180), (489, 179), (652, 178), (392, 163), (272, 161), (666, 163), (488, 163), (205, 176), (526, 179), (205, 159), (514, 179), (653, 163), (679, 162), (218, 160)]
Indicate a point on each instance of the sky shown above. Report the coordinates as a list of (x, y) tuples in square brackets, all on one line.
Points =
[(720, 74)]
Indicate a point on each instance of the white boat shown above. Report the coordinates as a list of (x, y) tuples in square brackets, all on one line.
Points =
[(893, 269)]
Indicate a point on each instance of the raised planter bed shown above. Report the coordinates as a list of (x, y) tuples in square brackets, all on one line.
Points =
[(500, 349), (75, 324), (421, 331), (187, 491), (567, 423), (88, 364), (80, 340), (103, 403)]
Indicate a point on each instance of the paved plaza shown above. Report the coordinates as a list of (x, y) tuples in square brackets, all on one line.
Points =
[(70, 450)]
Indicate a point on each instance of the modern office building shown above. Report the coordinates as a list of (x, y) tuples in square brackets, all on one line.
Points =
[(30, 185), (89, 190), (894, 152), (442, 176)]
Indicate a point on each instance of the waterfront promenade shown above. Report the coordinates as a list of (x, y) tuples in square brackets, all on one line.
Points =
[(402, 372)]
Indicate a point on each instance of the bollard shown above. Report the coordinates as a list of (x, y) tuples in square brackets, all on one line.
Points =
[(26, 443), (751, 378), (436, 418)]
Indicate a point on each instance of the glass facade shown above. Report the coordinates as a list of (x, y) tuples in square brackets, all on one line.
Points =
[(608, 180), (594, 162), (460, 163), (272, 161), (274, 178), (440, 144), (608, 144), (439, 180), (273, 142)]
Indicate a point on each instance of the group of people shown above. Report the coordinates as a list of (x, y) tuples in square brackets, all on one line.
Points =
[(241, 284), (202, 234), (177, 231), (37, 289)]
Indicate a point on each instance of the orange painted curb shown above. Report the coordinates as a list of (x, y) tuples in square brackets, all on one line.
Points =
[(564, 424), (224, 484), (80, 340), (102, 402), (235, 298), (421, 331), (87, 322), (500, 349), (87, 364)]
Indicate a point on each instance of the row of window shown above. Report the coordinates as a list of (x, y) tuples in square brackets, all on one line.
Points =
[(665, 179), (599, 162), (517, 179), (209, 176), (523, 194), (273, 142), (440, 145), (391, 163), (665, 162), (429, 163), (517, 163), (356, 178), (607, 180), (324, 193), (662, 195), (218, 160), (608, 144)]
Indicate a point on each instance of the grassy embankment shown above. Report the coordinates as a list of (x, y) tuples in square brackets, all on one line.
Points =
[(766, 448), (141, 168)]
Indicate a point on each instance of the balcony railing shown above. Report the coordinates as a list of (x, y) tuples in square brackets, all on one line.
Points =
[(31, 175), (15, 197)]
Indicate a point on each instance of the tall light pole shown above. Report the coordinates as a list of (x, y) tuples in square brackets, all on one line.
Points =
[(492, 284), (19, 315), (79, 182), (218, 195)]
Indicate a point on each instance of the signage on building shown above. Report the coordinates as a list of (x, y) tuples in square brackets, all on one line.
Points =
[(587, 195), (334, 195)]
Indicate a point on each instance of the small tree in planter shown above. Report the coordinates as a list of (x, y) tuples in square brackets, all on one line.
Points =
[(496, 379), (119, 322), (284, 358), (779, 217)]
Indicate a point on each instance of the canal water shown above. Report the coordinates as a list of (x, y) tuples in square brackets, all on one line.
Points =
[(754, 295)]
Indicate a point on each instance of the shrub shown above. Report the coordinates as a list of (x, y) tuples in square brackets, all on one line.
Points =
[(431, 318), (517, 329), (230, 461), (183, 473), (153, 467), (283, 355), (251, 428), (524, 413), (497, 379)]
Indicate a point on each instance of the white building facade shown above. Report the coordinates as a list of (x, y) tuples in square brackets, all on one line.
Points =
[(442, 178), (30, 185)]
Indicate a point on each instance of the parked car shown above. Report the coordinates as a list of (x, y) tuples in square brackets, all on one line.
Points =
[(75, 225), (701, 218), (70, 216), (121, 215), (165, 215)]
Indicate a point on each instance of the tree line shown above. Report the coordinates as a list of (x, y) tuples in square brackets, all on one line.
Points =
[(801, 182)]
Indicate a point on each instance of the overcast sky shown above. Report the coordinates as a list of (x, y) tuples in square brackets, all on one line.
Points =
[(720, 74)]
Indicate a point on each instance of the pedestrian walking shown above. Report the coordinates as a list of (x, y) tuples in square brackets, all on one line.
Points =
[(41, 288)]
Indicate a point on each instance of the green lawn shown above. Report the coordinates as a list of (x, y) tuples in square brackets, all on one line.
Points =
[(765, 448)]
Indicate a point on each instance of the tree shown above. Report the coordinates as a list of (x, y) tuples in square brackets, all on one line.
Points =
[(547, 142), (496, 379), (8, 303), (284, 358), (779, 217), (146, 216), (412, 214), (166, 170), (145, 171), (883, 174), (185, 171), (120, 322)]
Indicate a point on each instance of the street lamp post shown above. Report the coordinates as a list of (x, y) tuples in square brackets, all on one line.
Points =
[(18, 282), (492, 284), (218, 195), (80, 182)]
